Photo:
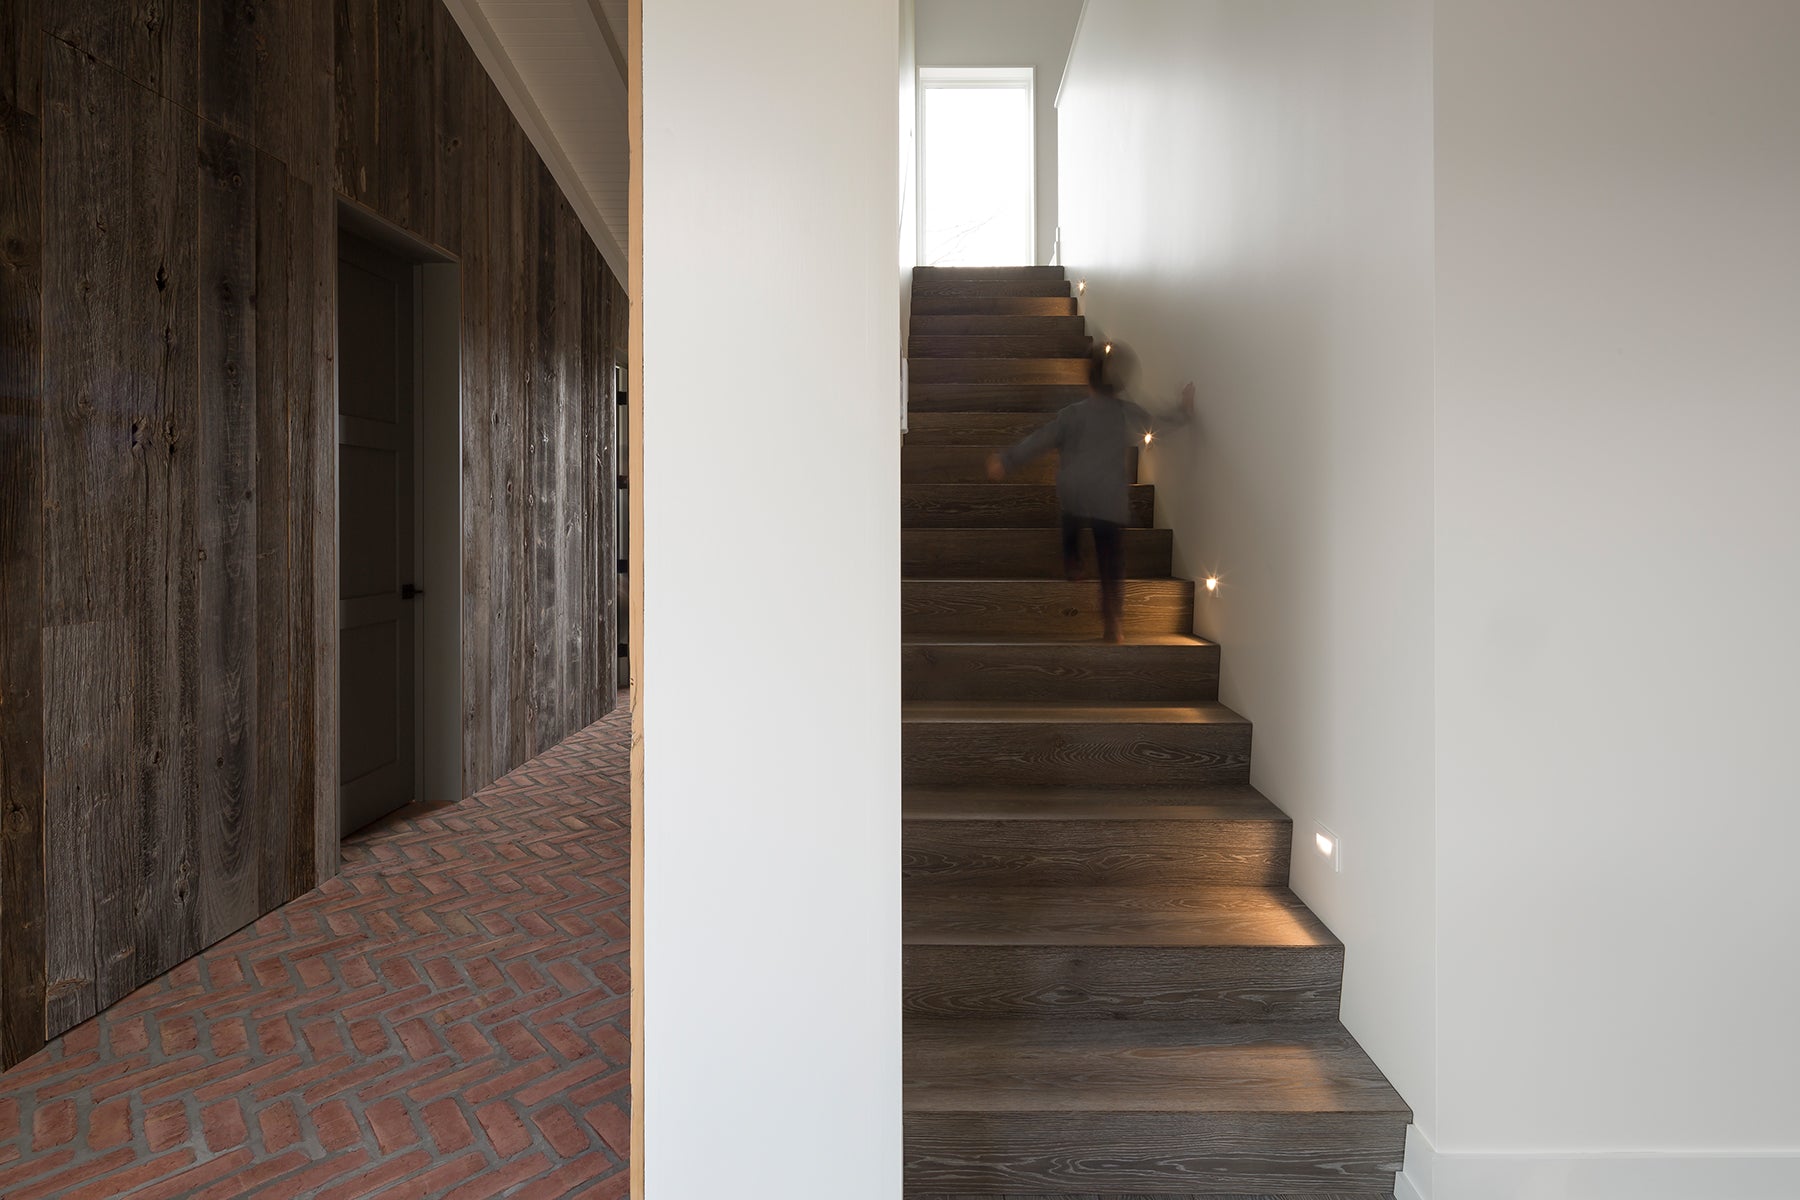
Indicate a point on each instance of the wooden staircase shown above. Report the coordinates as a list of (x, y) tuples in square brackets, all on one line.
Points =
[(1110, 992)]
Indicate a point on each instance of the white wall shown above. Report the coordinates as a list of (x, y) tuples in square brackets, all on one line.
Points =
[(770, 716), (1246, 185), (1009, 33), (1618, 487)]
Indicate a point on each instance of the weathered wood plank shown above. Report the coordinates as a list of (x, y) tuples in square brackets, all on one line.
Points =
[(309, 408), (161, 584), (275, 795), (229, 828), (542, 435), (227, 57), (406, 126), (21, 57), (357, 100), (86, 723), (472, 160), (22, 910), (151, 42)]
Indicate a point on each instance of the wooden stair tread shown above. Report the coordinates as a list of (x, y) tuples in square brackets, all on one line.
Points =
[(1223, 804), (1049, 638), (1143, 915), (1068, 714), (1140, 1067)]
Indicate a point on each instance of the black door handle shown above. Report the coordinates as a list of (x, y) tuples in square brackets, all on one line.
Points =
[(408, 591)]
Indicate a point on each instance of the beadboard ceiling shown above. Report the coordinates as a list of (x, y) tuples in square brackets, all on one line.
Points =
[(561, 66)]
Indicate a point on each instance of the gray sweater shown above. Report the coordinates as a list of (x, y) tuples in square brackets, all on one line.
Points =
[(1091, 436)]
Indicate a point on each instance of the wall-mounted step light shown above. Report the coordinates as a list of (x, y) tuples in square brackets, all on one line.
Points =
[(1328, 845), (1212, 583)]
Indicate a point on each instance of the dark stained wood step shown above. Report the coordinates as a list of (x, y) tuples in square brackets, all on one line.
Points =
[(1022, 553), (965, 464), (968, 464), (1225, 800), (999, 505), (1045, 345), (949, 744), (1068, 845), (988, 430), (1173, 669), (1032, 606), (993, 306), (1020, 1109), (992, 397), (1080, 954), (988, 285), (1070, 372), (979, 325), (1018, 272)]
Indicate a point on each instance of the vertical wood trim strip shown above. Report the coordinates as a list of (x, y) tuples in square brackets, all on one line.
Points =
[(275, 794), (21, 586), (300, 380), (161, 585), (229, 829)]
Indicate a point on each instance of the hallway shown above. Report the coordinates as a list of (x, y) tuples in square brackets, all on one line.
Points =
[(448, 1017)]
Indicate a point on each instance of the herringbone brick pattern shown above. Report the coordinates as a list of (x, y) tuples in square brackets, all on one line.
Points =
[(447, 1018)]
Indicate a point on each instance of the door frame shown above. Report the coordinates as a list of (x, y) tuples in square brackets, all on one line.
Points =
[(439, 420), (975, 77)]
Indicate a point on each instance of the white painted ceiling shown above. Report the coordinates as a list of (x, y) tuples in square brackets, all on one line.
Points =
[(561, 66)]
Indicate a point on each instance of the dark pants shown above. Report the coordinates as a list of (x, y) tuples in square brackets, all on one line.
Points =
[(1109, 549)]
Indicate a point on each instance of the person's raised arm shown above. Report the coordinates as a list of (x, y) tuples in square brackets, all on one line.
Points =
[(1146, 424), (1040, 441)]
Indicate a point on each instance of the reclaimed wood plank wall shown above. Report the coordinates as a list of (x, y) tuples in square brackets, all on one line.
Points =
[(169, 194)]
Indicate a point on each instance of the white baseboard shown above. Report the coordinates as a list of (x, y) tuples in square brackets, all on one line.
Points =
[(1433, 1175)]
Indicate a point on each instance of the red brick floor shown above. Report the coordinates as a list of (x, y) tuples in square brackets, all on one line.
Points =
[(448, 1017)]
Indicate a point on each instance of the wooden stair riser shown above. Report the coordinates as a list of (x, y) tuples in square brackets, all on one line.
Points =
[(968, 464), (1232, 984), (1052, 606), (1076, 754), (1022, 553), (1136, 1155), (1045, 399), (989, 431), (1020, 272), (999, 506), (1043, 345), (1068, 372), (1077, 673), (965, 286), (1078, 853), (980, 325), (993, 306)]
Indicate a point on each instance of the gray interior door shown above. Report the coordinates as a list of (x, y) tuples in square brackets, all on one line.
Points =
[(377, 499)]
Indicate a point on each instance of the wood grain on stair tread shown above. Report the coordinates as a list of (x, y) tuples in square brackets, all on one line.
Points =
[(988, 430), (1143, 915), (999, 345), (1238, 801), (931, 396), (1001, 285), (1005, 606), (999, 505), (1023, 271), (1023, 553), (1000, 325), (1040, 306), (1162, 669), (1067, 372), (1212, 713), (1109, 982), (1286, 1156), (968, 464), (1119, 846), (1143, 1066)]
